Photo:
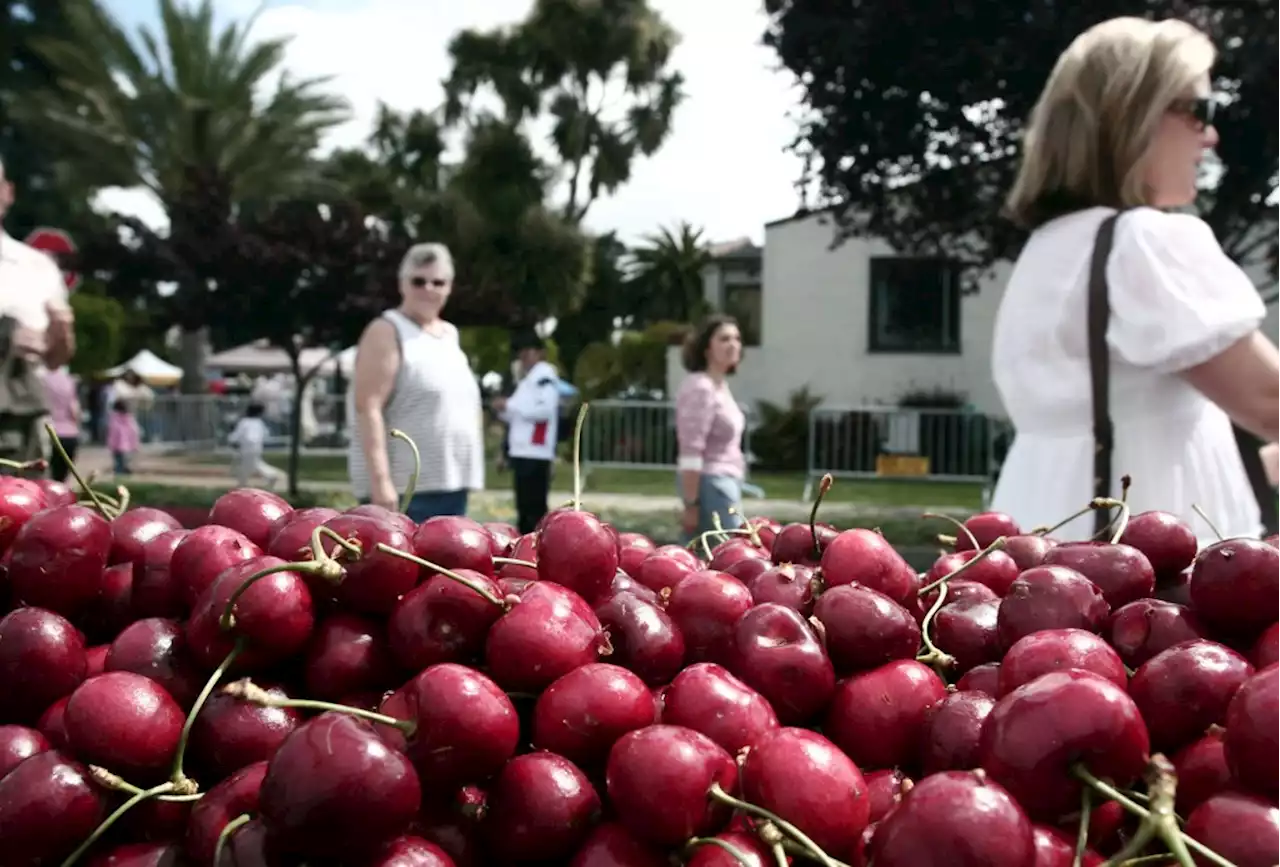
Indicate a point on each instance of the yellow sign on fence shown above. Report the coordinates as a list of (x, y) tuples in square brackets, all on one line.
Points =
[(902, 465)]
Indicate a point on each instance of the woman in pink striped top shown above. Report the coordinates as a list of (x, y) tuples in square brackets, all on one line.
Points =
[(709, 426)]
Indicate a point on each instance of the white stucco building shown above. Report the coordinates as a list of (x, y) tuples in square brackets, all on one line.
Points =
[(859, 325)]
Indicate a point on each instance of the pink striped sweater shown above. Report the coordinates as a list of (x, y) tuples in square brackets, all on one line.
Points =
[(709, 426)]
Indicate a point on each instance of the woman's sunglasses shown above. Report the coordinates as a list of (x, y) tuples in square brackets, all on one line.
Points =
[(423, 282), (1200, 110)]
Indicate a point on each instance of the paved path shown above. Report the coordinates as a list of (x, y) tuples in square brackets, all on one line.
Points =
[(162, 469)]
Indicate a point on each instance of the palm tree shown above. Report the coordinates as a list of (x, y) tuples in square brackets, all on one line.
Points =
[(190, 114), (667, 271)]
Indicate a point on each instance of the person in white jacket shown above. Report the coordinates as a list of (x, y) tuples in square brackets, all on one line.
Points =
[(532, 414), (249, 438)]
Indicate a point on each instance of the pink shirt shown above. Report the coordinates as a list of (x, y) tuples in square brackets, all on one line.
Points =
[(709, 426), (122, 432), (60, 397)]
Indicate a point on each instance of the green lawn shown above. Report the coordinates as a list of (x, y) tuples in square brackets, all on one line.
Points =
[(778, 486)]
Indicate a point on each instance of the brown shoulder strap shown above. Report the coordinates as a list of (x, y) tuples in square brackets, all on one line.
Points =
[(1100, 367)]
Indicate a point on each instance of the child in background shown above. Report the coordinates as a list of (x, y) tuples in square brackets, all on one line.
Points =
[(248, 438), (123, 436)]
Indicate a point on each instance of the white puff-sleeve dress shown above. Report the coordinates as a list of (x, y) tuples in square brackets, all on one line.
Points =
[(1176, 302)]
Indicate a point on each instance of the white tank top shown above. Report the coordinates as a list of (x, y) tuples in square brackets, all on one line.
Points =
[(435, 400)]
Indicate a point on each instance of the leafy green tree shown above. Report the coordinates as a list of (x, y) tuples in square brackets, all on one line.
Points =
[(100, 327), (302, 274), (667, 274), (399, 174), (517, 260), (915, 112), (606, 305), (190, 114), (597, 68), (51, 190)]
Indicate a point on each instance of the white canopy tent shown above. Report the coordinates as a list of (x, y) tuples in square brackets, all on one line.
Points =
[(153, 369), (260, 358)]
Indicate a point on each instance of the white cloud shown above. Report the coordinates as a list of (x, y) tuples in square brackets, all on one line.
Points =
[(723, 167)]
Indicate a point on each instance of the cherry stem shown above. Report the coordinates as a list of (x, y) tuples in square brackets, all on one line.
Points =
[(122, 505), (779, 854), (108, 499), (225, 835), (448, 573), (512, 561), (705, 540), (247, 690), (944, 539), (75, 473), (1111, 792), (734, 852), (108, 780), (347, 546), (1082, 832), (754, 532), (959, 526), (1122, 521), (823, 487), (578, 425), (113, 818), (701, 538), (718, 526), (1139, 841), (1125, 483), (177, 777), (36, 466), (968, 564), (1213, 528), (1162, 786), (1094, 504), (716, 793), (328, 569), (932, 655), (412, 487)]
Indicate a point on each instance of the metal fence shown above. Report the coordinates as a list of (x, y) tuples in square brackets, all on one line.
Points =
[(203, 421), (636, 435), (854, 442), (927, 444)]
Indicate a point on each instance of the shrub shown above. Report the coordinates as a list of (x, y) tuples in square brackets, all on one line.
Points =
[(781, 439)]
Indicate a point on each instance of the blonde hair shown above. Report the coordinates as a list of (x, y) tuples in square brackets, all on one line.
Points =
[(1093, 124), (422, 255)]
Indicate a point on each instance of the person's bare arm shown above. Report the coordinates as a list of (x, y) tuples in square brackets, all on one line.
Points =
[(377, 363), (60, 338), (1244, 380)]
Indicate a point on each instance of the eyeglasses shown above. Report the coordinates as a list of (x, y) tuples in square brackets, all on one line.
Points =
[(1201, 110), (423, 282)]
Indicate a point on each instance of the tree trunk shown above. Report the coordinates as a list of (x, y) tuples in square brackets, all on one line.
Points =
[(295, 423), (195, 345)]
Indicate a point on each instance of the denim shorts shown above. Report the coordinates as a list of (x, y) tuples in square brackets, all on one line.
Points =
[(430, 504), (716, 496)]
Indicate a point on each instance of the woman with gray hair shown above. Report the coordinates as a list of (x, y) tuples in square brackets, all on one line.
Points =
[(412, 375), (1127, 342)]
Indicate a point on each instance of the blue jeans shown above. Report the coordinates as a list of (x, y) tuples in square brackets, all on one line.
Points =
[(716, 496), (120, 463), (430, 504)]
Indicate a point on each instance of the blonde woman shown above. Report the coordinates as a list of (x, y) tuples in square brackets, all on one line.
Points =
[(411, 374), (1120, 129)]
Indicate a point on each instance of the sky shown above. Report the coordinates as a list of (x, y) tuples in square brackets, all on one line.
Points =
[(724, 167)]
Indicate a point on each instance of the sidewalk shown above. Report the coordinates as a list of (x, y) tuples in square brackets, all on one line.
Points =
[(159, 469)]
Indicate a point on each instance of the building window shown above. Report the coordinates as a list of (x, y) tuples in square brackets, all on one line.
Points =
[(743, 302), (915, 306)]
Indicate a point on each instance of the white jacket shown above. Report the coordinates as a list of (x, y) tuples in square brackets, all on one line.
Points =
[(533, 414)]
